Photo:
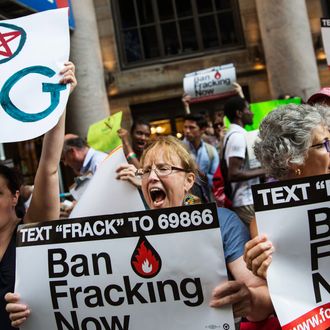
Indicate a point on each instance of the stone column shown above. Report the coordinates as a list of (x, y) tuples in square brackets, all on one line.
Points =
[(288, 46), (89, 102)]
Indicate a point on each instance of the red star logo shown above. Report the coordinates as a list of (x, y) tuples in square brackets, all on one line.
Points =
[(5, 38)]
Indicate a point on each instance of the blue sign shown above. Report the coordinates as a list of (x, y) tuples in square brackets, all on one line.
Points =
[(41, 5)]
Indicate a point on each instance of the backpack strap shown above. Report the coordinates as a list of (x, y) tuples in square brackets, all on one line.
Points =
[(224, 147)]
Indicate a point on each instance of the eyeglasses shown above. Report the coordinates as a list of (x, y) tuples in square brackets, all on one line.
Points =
[(161, 170), (325, 144)]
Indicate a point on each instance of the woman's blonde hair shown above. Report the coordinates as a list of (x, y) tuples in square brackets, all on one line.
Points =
[(171, 146)]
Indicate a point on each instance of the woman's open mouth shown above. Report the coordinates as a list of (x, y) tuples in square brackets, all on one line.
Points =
[(157, 196)]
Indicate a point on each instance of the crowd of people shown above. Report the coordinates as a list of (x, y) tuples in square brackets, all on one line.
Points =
[(209, 164)]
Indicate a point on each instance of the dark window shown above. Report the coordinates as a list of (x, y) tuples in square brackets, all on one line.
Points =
[(150, 31)]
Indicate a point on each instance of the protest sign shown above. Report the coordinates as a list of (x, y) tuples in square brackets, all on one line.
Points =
[(103, 134), (215, 82), (325, 32), (105, 194), (142, 270), (295, 215), (34, 50)]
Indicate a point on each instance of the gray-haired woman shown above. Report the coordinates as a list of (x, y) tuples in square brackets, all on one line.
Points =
[(294, 142)]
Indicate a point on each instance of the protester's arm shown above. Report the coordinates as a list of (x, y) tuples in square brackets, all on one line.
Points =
[(130, 155), (126, 172), (185, 101), (18, 312), (248, 294), (258, 255), (236, 153), (236, 172), (45, 203), (238, 90)]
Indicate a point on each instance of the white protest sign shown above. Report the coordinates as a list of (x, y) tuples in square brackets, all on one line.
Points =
[(325, 32), (251, 137), (105, 194), (295, 215), (210, 83), (142, 270), (32, 52)]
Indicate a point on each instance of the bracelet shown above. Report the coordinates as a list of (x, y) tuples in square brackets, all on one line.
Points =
[(130, 156)]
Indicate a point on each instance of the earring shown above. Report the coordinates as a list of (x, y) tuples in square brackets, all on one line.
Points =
[(297, 171), (188, 200)]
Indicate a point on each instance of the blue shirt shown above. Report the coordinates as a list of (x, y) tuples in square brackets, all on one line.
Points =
[(203, 160), (234, 234)]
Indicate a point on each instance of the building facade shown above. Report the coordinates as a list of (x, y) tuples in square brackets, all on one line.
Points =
[(148, 47), (132, 55)]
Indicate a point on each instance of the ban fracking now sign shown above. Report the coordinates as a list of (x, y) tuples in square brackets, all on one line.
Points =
[(295, 215), (141, 270)]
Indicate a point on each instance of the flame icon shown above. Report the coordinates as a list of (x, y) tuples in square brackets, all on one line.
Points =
[(217, 75), (145, 260)]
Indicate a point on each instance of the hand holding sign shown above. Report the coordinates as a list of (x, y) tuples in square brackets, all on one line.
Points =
[(233, 293), (18, 311), (126, 172), (68, 75), (238, 89), (258, 255)]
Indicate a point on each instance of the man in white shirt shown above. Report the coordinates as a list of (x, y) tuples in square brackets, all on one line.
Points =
[(239, 174)]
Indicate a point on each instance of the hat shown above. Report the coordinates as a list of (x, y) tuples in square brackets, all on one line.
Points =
[(320, 96)]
